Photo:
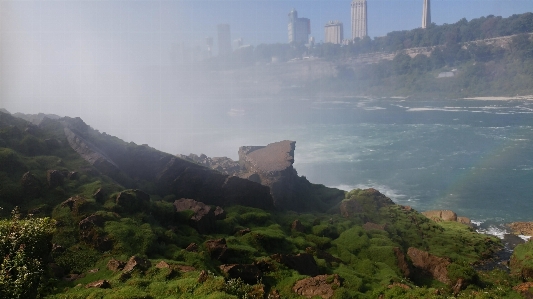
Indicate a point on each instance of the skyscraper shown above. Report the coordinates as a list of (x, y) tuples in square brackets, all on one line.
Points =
[(333, 32), (359, 28), (224, 39), (426, 14), (299, 28)]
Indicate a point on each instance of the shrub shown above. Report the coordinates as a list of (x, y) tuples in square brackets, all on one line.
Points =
[(24, 244)]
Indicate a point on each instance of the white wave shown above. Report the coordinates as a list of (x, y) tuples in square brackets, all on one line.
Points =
[(524, 237), (374, 108), (435, 109), (497, 231)]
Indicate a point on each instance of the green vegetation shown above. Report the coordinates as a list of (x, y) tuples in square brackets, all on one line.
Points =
[(24, 247), (88, 220)]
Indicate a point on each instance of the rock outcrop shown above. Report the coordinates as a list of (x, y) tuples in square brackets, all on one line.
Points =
[(249, 273), (366, 201), (272, 166), (304, 263), (130, 164), (203, 218), (446, 215), (321, 285), (429, 264), (522, 228)]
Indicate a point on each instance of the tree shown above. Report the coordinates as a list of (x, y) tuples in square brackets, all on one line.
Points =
[(24, 246)]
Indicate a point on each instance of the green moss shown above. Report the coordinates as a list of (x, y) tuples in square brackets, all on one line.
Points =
[(130, 237)]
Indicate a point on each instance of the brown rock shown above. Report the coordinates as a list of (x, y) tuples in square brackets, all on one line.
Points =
[(193, 247), (464, 220), (523, 287), (402, 262), (203, 219), (297, 226), (324, 255), (73, 203), (162, 264), (220, 214), (99, 195), (321, 285), (435, 266), (54, 178), (30, 184), (203, 276), (73, 175), (137, 263), (217, 249), (115, 265), (90, 222), (133, 200), (249, 273), (100, 284), (243, 232), (440, 215), (458, 286), (522, 228), (304, 263)]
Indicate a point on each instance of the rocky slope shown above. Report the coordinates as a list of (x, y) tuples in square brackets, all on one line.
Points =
[(133, 222)]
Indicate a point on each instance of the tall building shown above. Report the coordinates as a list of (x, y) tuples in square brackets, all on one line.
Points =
[(333, 32), (299, 28), (426, 14), (359, 28), (224, 39)]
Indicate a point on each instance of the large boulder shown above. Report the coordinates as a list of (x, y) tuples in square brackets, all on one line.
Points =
[(429, 264), (133, 200), (249, 273), (136, 263), (273, 166), (54, 178), (304, 263), (30, 184), (217, 249), (90, 234), (522, 228), (203, 218), (322, 285), (441, 215)]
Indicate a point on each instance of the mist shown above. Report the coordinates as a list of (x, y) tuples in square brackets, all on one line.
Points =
[(136, 69)]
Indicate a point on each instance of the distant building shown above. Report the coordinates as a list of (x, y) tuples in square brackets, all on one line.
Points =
[(426, 14), (359, 21), (333, 32), (224, 40), (299, 28)]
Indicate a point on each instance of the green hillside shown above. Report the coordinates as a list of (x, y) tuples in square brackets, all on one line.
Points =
[(109, 223)]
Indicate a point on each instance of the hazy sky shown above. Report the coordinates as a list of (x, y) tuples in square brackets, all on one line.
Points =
[(89, 58)]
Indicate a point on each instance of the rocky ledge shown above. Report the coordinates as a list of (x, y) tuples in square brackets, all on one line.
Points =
[(272, 166)]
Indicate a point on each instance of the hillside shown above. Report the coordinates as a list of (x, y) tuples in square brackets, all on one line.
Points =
[(118, 220)]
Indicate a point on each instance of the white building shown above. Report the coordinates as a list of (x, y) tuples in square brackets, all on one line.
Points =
[(299, 28), (333, 32), (359, 21)]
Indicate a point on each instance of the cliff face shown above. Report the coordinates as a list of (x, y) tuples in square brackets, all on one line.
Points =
[(133, 165)]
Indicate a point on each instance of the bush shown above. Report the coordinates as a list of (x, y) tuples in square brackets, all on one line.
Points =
[(24, 244)]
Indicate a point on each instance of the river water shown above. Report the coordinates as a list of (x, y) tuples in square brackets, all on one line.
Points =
[(474, 157)]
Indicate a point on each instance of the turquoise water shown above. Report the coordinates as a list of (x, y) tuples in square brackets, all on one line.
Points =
[(473, 157)]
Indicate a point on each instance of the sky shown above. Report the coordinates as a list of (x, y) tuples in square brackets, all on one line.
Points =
[(90, 58)]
